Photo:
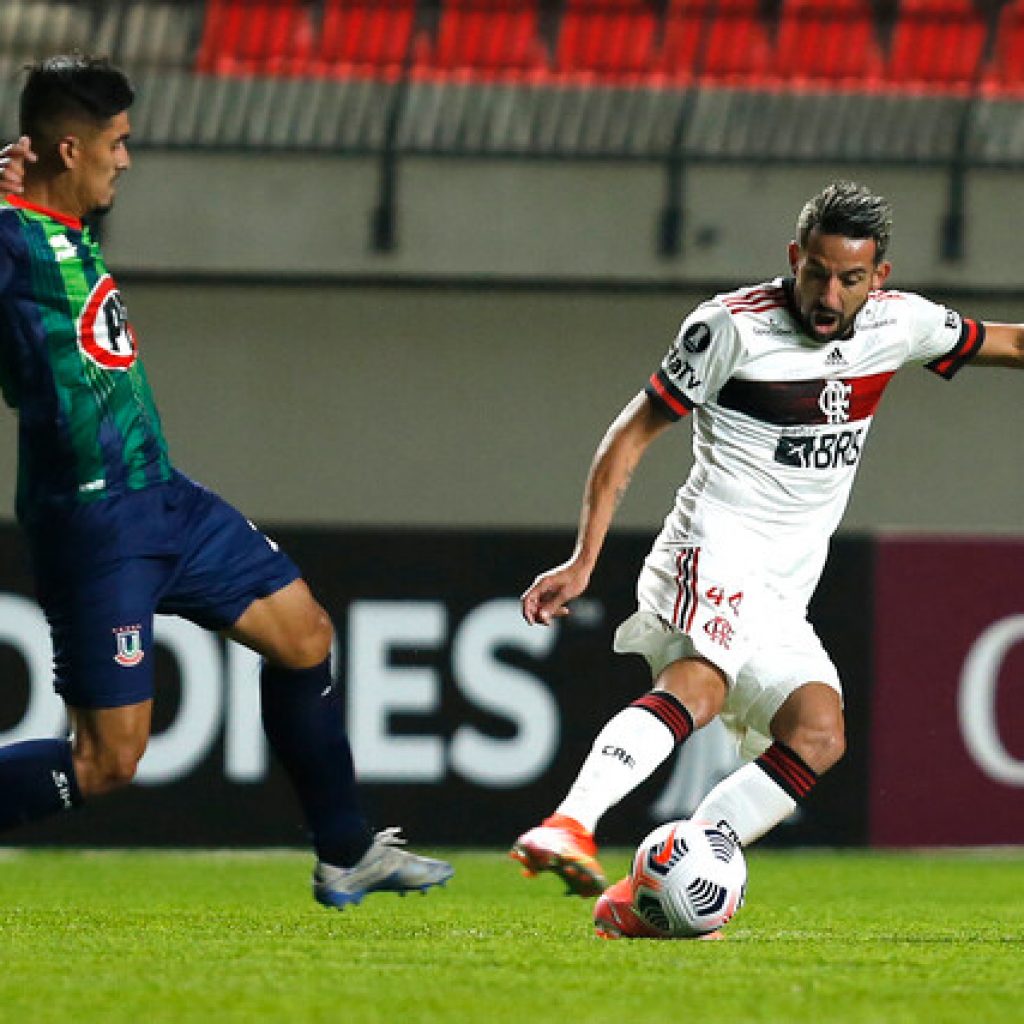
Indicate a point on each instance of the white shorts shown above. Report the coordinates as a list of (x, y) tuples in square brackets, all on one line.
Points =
[(762, 643)]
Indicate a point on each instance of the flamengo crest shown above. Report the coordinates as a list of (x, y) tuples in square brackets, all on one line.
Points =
[(104, 333), (834, 401), (129, 646)]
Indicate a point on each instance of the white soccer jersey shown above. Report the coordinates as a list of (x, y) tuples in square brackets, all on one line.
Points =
[(780, 422)]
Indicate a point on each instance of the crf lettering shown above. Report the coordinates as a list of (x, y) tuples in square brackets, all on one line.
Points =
[(619, 754)]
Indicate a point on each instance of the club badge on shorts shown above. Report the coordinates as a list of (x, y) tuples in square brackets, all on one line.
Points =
[(129, 646)]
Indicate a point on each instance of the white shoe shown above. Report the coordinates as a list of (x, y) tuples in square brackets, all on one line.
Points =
[(383, 868)]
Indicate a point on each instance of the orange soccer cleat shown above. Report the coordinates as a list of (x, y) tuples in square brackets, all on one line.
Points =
[(563, 846), (615, 918)]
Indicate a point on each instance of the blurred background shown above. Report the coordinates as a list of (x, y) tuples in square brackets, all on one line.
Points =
[(394, 266)]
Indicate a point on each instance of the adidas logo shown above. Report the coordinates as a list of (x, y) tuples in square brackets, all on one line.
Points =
[(835, 358)]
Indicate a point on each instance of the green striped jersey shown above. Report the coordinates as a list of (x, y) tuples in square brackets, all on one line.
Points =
[(88, 426)]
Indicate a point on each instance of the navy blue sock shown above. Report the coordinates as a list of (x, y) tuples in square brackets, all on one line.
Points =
[(302, 717), (37, 779)]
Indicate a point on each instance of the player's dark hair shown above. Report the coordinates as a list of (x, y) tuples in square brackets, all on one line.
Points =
[(848, 209), (72, 87)]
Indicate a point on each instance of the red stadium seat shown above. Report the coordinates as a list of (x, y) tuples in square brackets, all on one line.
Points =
[(1005, 75), (684, 26), (685, 23), (936, 44), (612, 40), (828, 43), (734, 46), (487, 39), (255, 37), (364, 37)]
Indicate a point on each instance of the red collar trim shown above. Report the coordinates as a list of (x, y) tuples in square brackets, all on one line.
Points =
[(71, 222)]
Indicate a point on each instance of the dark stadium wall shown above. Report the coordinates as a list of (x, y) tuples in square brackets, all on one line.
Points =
[(467, 724)]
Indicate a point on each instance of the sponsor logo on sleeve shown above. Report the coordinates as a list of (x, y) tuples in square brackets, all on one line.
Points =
[(681, 371), (696, 337)]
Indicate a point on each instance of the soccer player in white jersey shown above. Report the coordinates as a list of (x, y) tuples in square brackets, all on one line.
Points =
[(782, 380)]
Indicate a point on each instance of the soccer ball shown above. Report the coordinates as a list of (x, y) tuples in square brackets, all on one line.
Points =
[(688, 879)]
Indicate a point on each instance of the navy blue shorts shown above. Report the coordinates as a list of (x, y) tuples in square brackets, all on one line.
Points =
[(104, 569)]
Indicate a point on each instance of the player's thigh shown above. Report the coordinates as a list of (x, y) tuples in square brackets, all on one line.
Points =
[(716, 604), (97, 730), (288, 627), (676, 664), (778, 675), (101, 624), (235, 579)]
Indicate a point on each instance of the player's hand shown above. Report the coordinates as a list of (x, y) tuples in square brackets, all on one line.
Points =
[(549, 594), (13, 158)]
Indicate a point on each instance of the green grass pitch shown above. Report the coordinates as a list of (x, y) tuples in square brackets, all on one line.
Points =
[(232, 937)]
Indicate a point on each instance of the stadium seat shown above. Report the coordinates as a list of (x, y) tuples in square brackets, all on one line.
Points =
[(255, 37), (828, 43), (936, 44), (485, 39), (683, 36), (611, 40), (1005, 74), (730, 41), (364, 37)]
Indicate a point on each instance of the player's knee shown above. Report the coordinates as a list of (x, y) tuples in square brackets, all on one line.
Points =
[(698, 685), (103, 771), (820, 743), (308, 646)]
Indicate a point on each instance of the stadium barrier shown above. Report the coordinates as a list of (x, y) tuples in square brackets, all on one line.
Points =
[(467, 724), (933, 83)]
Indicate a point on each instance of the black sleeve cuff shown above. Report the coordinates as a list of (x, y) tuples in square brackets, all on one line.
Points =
[(972, 334), (667, 396)]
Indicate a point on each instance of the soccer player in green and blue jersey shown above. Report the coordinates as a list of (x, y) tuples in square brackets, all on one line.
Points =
[(117, 534)]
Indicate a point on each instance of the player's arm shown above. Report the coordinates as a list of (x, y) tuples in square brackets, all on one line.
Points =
[(13, 158), (1003, 346), (611, 470)]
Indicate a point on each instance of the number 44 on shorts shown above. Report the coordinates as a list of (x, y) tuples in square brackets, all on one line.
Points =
[(716, 595)]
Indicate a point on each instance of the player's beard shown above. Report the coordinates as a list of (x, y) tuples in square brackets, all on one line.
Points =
[(826, 330), (839, 330)]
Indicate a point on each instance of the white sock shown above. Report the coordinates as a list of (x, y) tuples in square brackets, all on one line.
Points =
[(749, 802), (626, 752)]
